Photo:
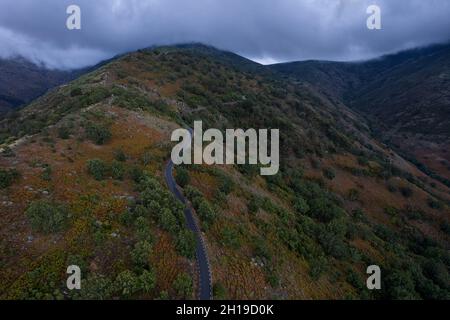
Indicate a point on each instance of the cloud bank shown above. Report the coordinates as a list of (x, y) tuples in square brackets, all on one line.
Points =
[(262, 30)]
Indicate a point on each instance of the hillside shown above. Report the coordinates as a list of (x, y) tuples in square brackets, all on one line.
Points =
[(406, 95), (83, 183), (22, 81)]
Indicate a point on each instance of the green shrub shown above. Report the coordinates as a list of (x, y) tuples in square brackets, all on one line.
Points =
[(301, 205), (407, 192), (63, 132), (147, 281), (96, 287), (7, 177), (219, 291), (186, 243), (136, 173), (98, 134), (353, 194), (182, 176), (183, 286), (47, 173), (230, 238), (141, 253), (253, 205), (97, 168), (329, 173), (324, 210), (117, 170), (399, 285), (147, 158), (226, 185), (120, 155), (206, 213), (143, 231), (46, 217), (126, 284), (168, 221), (434, 204), (76, 92)]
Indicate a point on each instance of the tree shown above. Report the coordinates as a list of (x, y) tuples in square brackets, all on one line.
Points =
[(97, 168), (186, 243), (183, 286), (143, 232), (98, 134), (46, 217), (182, 176), (324, 210), (329, 173), (252, 205), (147, 281), (117, 170), (168, 221), (7, 177), (96, 287), (126, 284), (206, 213), (120, 155), (47, 173), (141, 253), (76, 92), (219, 291), (300, 205), (399, 285)]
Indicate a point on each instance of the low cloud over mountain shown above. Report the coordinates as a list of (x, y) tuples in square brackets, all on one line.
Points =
[(263, 30)]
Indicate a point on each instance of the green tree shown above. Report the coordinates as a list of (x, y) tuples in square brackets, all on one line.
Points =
[(120, 155), (186, 243), (182, 176), (147, 281), (168, 221), (126, 284), (301, 205), (206, 213), (97, 168), (117, 170), (46, 217), (141, 253), (329, 173), (96, 287), (183, 286), (98, 134), (7, 177)]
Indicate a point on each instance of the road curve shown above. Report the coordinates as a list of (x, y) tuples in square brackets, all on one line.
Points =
[(205, 282)]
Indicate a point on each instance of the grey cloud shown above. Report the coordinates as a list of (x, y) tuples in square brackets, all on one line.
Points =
[(263, 30)]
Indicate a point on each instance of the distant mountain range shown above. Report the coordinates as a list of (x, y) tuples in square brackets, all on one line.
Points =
[(22, 81), (406, 94)]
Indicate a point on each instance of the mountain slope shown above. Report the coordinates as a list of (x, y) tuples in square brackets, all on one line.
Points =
[(95, 151), (406, 95), (22, 81)]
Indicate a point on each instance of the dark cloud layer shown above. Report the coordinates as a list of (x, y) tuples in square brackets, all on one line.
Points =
[(263, 30)]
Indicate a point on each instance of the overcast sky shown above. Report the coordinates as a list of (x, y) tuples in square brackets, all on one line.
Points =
[(263, 30)]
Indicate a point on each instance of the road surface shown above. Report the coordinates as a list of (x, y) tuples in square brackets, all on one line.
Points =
[(205, 286)]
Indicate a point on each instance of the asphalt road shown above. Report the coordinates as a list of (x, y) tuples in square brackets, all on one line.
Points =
[(205, 286)]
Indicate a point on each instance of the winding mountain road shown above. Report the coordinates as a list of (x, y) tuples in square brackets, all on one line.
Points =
[(205, 282)]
